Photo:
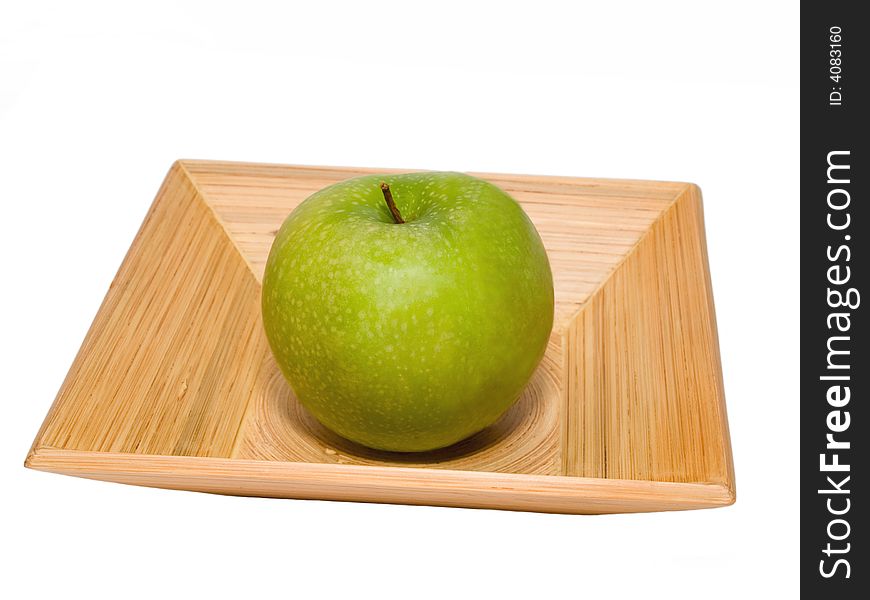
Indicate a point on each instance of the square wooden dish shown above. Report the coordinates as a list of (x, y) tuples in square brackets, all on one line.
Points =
[(175, 386)]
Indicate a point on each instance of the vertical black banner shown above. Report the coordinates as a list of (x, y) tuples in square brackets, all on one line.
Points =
[(834, 366)]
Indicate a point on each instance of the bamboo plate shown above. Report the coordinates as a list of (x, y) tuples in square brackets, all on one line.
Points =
[(175, 387)]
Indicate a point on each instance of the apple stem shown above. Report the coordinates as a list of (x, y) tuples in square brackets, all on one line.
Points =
[(388, 196)]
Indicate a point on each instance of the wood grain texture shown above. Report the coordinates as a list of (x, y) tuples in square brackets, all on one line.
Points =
[(587, 225), (168, 363), (396, 485), (625, 413), (644, 388)]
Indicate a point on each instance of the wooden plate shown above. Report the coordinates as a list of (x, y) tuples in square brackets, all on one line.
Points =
[(175, 387)]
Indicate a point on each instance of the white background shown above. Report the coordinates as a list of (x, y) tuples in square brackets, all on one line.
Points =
[(96, 101)]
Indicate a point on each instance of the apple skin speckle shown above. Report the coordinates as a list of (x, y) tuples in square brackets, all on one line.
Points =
[(408, 337)]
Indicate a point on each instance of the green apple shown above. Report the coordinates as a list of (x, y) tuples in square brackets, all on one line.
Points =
[(408, 311)]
